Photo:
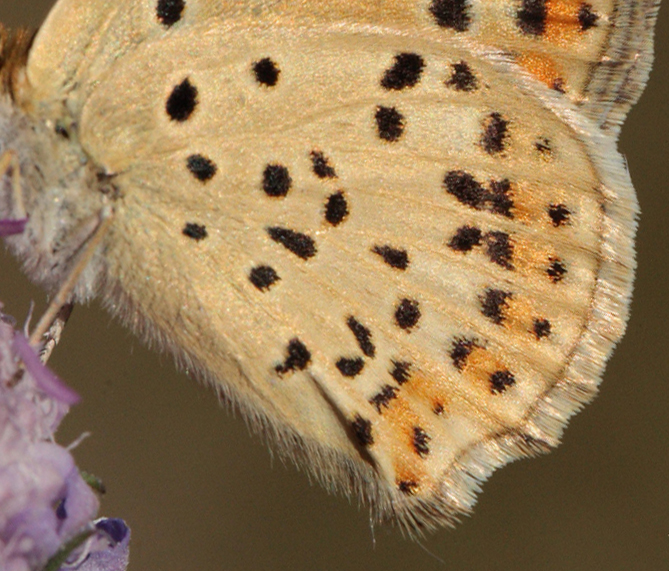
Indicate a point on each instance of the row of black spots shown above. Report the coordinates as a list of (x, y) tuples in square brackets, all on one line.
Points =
[(266, 72), (390, 123), (501, 380), (362, 431), (301, 245), (405, 72), (169, 12), (381, 400), (321, 165), (462, 78), (495, 136), (194, 231), (452, 14), (494, 304), (559, 214), (362, 335), (461, 349), (407, 314), (395, 257), (350, 366), (201, 167), (499, 246), (556, 270), (297, 358), (496, 198), (263, 277)]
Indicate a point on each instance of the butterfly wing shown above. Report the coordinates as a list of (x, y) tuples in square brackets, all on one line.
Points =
[(370, 226)]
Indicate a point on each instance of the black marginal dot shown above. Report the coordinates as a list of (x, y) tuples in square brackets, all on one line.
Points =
[(499, 197), (438, 409), (465, 188), (453, 14), (299, 244), (362, 430), (394, 257), (401, 371), (407, 487), (557, 270), (531, 19), (263, 277), (559, 85), (350, 367), (169, 12), (266, 72), (465, 238), (405, 72), (382, 399), (321, 165), (276, 181), (297, 359), (559, 214), (420, 441), (501, 380), (541, 328), (362, 335), (202, 168), (336, 208), (195, 231), (499, 249), (586, 17), (495, 134), (460, 351), (462, 78), (407, 313), (494, 304), (182, 101), (389, 123)]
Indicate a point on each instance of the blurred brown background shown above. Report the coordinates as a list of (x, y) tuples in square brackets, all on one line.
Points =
[(200, 493)]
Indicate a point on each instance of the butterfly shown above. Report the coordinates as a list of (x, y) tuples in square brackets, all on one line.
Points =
[(398, 236)]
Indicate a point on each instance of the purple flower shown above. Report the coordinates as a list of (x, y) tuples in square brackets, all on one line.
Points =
[(44, 502)]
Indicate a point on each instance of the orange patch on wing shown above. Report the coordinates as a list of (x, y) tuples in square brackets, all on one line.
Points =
[(543, 67), (562, 24)]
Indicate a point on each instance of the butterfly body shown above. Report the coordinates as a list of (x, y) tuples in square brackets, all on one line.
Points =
[(398, 235)]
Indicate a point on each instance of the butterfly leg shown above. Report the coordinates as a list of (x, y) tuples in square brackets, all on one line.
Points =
[(56, 308)]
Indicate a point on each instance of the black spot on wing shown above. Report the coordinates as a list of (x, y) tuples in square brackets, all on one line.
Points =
[(297, 359), (405, 72), (266, 72), (263, 277), (501, 380), (276, 180), (401, 371), (202, 168), (495, 134), (541, 328), (321, 166), (559, 214), (362, 335), (531, 18), (465, 239), (407, 314), (421, 441), (394, 257), (389, 123), (586, 17), (453, 14), (299, 244), (462, 78), (182, 101), (382, 399), (195, 231), (169, 12), (362, 430), (336, 208), (500, 249), (350, 367), (494, 304)]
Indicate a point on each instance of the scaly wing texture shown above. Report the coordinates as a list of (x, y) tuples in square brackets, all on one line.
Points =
[(397, 234)]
